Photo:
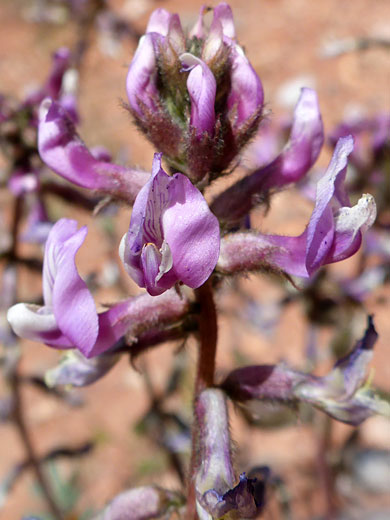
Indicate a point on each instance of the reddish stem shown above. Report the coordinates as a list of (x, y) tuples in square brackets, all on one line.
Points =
[(208, 335)]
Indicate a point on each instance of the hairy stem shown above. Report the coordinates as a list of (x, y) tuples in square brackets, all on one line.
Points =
[(208, 335)]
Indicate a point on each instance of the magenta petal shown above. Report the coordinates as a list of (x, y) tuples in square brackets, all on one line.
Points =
[(73, 304), (201, 87), (63, 151), (191, 231), (246, 95), (172, 237), (141, 77), (289, 166), (224, 15), (320, 230)]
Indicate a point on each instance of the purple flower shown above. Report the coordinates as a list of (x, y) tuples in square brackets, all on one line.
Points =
[(68, 318), (63, 151), (173, 236), (198, 99), (342, 393), (296, 159), (333, 234)]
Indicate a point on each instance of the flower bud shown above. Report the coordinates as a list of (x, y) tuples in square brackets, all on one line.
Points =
[(197, 99)]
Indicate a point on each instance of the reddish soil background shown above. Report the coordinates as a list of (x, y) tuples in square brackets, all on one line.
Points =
[(283, 39)]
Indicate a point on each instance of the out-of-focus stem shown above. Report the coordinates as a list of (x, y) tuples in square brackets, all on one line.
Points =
[(208, 334), (324, 433), (32, 458)]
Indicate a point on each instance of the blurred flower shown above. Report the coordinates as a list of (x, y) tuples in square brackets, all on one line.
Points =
[(173, 237), (141, 503), (343, 393), (76, 370)]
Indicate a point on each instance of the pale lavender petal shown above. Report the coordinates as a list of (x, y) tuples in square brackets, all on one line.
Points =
[(62, 150), (76, 370), (172, 237), (298, 156), (142, 503), (224, 15), (73, 304), (62, 230), (350, 223), (159, 21), (191, 231), (246, 95), (198, 30), (201, 87), (141, 77)]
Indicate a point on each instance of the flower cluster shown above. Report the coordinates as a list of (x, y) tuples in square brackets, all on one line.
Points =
[(199, 100)]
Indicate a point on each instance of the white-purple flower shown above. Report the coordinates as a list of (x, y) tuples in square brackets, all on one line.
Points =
[(173, 236), (68, 317), (334, 231)]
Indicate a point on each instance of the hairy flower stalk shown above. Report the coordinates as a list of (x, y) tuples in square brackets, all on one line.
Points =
[(219, 493)]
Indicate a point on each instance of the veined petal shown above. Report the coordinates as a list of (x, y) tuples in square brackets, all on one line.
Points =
[(173, 236), (202, 88), (63, 151), (191, 231), (145, 225)]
